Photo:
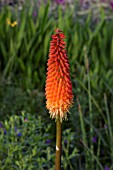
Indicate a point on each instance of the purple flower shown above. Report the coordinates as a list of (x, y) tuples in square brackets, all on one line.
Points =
[(94, 139), (111, 5), (4, 131), (106, 168), (81, 1), (60, 1), (26, 119), (19, 134), (65, 142), (48, 141), (0, 125), (34, 13)]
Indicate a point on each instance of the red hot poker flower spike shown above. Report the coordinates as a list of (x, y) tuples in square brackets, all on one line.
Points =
[(58, 89)]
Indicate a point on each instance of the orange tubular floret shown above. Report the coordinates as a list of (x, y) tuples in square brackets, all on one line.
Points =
[(59, 95)]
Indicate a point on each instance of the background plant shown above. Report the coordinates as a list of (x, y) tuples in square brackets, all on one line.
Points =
[(24, 52), (26, 143)]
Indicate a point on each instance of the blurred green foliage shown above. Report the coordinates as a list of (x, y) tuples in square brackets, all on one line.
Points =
[(24, 52), (25, 144), (24, 47)]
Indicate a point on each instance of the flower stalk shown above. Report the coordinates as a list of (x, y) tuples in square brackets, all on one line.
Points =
[(58, 145), (58, 91)]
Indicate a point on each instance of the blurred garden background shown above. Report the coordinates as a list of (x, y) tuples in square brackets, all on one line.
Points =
[(27, 133)]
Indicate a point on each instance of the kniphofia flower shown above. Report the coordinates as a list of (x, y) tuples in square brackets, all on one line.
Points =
[(59, 93)]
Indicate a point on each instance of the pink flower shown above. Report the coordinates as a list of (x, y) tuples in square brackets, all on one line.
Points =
[(111, 5), (60, 1)]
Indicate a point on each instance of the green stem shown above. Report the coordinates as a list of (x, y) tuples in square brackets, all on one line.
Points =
[(90, 106), (58, 145)]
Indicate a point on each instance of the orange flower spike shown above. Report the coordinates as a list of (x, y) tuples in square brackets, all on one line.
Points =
[(58, 89)]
